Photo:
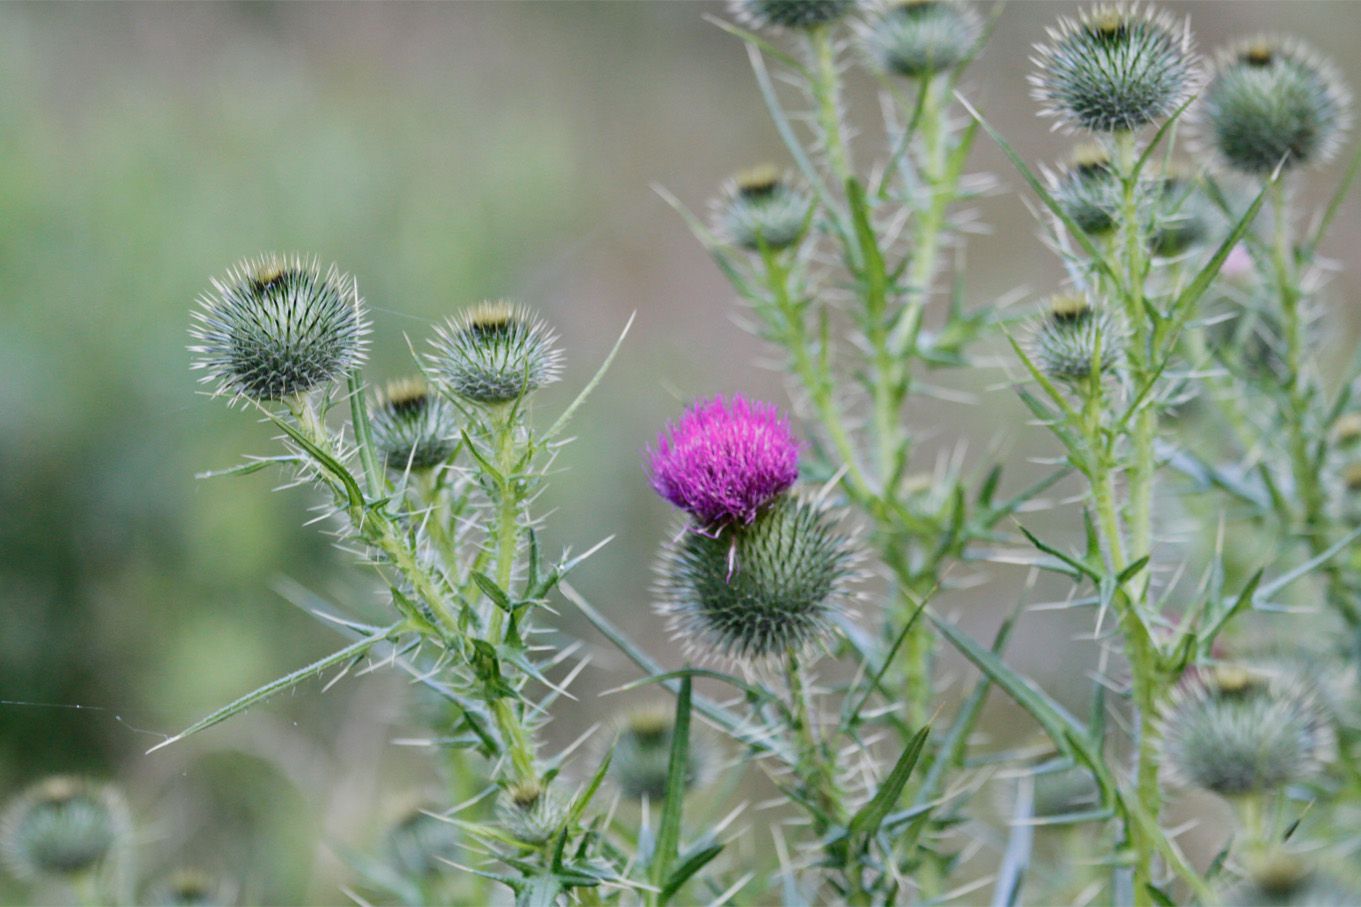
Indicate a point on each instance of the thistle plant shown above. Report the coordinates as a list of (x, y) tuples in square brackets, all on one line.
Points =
[(1205, 463)]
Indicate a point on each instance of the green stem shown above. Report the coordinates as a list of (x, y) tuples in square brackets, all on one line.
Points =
[(826, 87), (1313, 519)]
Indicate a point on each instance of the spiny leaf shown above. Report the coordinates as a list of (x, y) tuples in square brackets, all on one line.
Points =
[(353, 650), (669, 829), (869, 817)]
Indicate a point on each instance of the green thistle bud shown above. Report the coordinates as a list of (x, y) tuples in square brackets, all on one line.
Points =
[(1272, 102), (1182, 215), (187, 888), (917, 38), (758, 590), (760, 207), (1234, 731), (642, 755), (274, 327), (1282, 879), (413, 427), (494, 353), (62, 828), (1073, 336), (1088, 191), (530, 811), (1115, 69), (420, 844), (795, 14), (1347, 430)]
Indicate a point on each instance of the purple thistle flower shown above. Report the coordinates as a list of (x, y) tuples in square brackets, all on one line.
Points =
[(722, 462)]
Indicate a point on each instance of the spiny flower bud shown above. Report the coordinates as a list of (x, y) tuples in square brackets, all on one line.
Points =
[(1088, 191), (274, 327), (1274, 102), (1115, 69), (1182, 216), (61, 828), (1234, 731), (795, 14), (1073, 336), (413, 427), (1283, 879), (721, 462), (1347, 430), (187, 888), (421, 844), (761, 589), (530, 811), (917, 38), (494, 353), (760, 208), (642, 755)]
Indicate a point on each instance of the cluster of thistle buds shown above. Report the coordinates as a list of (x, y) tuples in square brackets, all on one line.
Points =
[(757, 570)]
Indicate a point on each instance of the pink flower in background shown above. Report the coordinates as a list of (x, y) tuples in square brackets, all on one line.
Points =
[(723, 461)]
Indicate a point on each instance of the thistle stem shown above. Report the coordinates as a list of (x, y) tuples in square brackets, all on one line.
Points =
[(826, 87), (1312, 517)]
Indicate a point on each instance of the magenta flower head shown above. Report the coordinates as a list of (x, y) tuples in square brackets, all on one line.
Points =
[(725, 460)]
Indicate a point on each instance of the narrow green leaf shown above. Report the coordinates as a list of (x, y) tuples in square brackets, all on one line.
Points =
[(687, 868), (1201, 282), (363, 432), (1037, 186), (591, 385), (353, 650), (495, 593), (869, 817), (1306, 252), (325, 460), (669, 826)]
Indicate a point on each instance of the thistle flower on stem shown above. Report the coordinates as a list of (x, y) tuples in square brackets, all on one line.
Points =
[(276, 326), (531, 812), (918, 38), (800, 15), (188, 888), (763, 589), (641, 755), (761, 208), (1274, 103), (1074, 338), (494, 353), (1115, 69), (1282, 879), (413, 427), (723, 461), (420, 844), (62, 828), (1088, 190), (1234, 731)]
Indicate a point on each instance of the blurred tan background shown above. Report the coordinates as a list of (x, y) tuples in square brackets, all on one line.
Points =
[(442, 153)]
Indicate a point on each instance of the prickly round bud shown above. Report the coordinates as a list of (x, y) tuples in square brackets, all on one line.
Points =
[(1073, 336), (420, 844), (187, 888), (917, 38), (1283, 879), (1115, 69), (795, 14), (760, 207), (1088, 191), (642, 755), (724, 460), (1182, 216), (530, 811), (494, 353), (1274, 102), (1234, 731), (61, 828), (413, 427), (758, 590), (274, 326), (1347, 430)]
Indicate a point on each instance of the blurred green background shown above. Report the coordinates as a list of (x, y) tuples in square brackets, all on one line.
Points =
[(442, 153)]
